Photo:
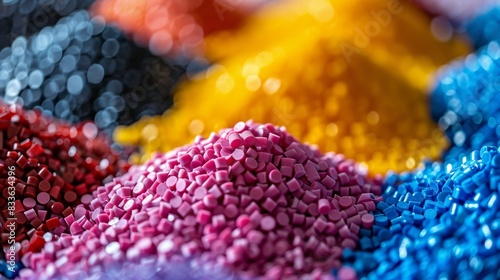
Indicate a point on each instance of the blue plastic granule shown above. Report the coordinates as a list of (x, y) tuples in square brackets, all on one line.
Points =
[(449, 235), (466, 105), (484, 28), (82, 69), (9, 270)]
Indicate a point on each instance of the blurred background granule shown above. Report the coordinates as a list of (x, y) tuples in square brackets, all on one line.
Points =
[(349, 77), (465, 101), (27, 17), (456, 10), (484, 28), (440, 222), (149, 269), (82, 69), (175, 27)]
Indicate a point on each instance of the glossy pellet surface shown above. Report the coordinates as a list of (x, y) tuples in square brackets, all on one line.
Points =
[(180, 207), (439, 222), (53, 165)]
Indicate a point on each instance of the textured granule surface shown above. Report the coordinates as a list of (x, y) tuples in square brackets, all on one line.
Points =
[(46, 169), (251, 199)]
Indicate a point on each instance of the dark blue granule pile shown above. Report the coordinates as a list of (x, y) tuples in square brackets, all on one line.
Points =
[(27, 17), (81, 69)]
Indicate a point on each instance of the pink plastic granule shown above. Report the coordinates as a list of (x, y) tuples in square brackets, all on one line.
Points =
[(255, 201)]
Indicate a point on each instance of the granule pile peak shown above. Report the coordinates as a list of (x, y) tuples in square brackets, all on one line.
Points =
[(250, 198)]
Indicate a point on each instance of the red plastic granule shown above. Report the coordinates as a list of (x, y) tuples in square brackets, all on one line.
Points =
[(47, 163), (457, 13), (225, 201)]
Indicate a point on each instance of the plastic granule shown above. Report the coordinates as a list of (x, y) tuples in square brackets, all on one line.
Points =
[(48, 167), (441, 222), (465, 103), (86, 71), (187, 25), (7, 270), (145, 269), (23, 18), (250, 198), (484, 28), (457, 12), (326, 84)]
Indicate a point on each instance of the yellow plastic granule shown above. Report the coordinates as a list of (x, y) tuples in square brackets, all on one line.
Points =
[(349, 77)]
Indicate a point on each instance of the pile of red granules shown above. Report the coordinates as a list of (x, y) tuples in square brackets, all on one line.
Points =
[(46, 169)]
